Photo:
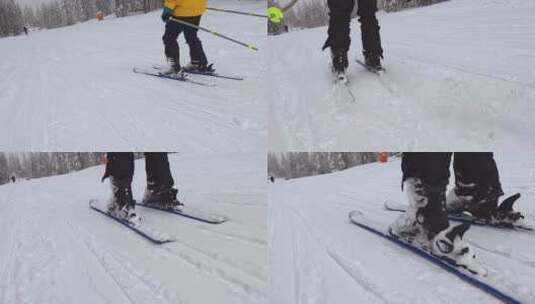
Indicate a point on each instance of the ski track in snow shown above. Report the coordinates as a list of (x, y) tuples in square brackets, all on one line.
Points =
[(57, 250), (73, 89), (309, 216), (454, 81)]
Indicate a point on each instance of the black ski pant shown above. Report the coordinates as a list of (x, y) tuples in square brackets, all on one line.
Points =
[(476, 175), (339, 26), (173, 30), (120, 166)]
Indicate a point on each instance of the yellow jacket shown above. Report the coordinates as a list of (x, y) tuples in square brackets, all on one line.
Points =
[(186, 8)]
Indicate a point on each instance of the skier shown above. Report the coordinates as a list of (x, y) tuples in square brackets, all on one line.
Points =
[(13, 179), (188, 11), (338, 33), (477, 189), (159, 191), (25, 30)]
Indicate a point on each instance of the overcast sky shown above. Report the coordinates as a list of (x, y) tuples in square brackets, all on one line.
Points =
[(31, 2)]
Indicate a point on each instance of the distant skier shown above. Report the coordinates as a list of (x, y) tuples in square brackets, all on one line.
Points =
[(26, 30), (339, 30), (188, 11), (13, 179), (159, 191), (477, 189)]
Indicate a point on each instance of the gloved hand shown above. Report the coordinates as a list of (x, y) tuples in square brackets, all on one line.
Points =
[(166, 14)]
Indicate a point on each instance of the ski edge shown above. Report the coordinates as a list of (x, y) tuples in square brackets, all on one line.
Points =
[(437, 261), (136, 230), (208, 220)]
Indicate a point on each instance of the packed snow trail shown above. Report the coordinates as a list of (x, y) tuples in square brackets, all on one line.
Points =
[(459, 77), (55, 249), (73, 89), (317, 256)]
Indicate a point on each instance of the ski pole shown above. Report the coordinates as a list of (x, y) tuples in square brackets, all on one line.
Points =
[(247, 45), (235, 12)]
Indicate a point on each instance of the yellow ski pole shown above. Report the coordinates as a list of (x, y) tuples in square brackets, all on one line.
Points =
[(247, 45)]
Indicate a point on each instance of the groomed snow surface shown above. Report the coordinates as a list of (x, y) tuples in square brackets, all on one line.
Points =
[(459, 77), (316, 256), (73, 89), (55, 249)]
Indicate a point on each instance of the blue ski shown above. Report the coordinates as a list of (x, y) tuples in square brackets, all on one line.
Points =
[(148, 234), (359, 219), (192, 214)]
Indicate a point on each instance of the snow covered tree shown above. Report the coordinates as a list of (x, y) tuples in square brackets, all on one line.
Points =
[(28, 16), (4, 173), (11, 20)]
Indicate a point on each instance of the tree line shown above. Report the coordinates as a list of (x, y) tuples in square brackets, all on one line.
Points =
[(300, 164), (308, 14), (58, 13), (39, 164)]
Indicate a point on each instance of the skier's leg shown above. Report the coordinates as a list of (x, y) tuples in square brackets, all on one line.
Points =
[(120, 169), (425, 177), (172, 51), (477, 184), (160, 181), (339, 30), (371, 39), (158, 170), (196, 51)]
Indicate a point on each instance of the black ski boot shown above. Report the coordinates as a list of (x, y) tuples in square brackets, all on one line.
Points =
[(197, 66), (504, 213), (122, 203), (339, 64), (372, 61), (162, 197), (483, 205)]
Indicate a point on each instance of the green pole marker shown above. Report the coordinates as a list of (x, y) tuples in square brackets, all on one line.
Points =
[(275, 14)]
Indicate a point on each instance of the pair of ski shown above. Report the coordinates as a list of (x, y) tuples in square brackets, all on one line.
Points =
[(359, 219), (155, 71), (341, 78), (152, 234)]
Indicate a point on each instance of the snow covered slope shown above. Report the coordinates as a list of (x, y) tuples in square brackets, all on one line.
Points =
[(317, 256), (54, 249), (73, 89), (460, 76)]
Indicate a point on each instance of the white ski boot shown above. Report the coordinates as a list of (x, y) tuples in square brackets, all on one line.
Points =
[(171, 68), (425, 225), (128, 213)]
